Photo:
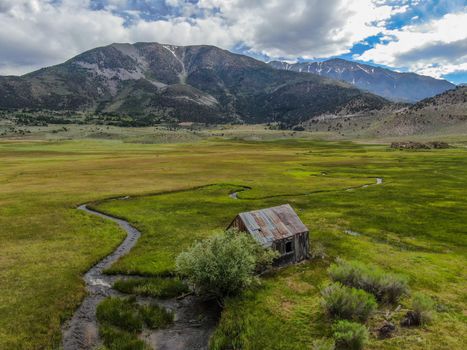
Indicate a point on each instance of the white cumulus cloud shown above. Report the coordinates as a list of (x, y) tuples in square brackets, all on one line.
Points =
[(37, 33), (434, 48)]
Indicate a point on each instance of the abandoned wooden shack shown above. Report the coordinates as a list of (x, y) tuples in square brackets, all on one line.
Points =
[(278, 228)]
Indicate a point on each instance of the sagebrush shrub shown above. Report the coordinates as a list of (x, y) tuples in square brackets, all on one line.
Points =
[(390, 288), (348, 303), (349, 335), (423, 307), (386, 287)]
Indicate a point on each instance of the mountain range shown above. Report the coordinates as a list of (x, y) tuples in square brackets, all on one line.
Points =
[(181, 83), (399, 87)]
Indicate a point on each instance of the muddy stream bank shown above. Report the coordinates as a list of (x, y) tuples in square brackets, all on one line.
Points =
[(194, 319)]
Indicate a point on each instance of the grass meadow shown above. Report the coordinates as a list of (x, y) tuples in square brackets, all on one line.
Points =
[(413, 224)]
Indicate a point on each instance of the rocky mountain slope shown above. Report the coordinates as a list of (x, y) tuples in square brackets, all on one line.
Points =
[(402, 87), (192, 83), (439, 115), (442, 112)]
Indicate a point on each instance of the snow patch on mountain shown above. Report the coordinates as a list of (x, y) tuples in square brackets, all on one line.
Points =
[(403, 87), (182, 75)]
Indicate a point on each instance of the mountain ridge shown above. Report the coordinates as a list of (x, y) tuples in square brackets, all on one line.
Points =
[(443, 114), (447, 110), (395, 86), (198, 83)]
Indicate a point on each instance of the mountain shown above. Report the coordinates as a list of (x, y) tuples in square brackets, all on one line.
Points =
[(444, 112), (440, 115), (399, 87), (182, 83)]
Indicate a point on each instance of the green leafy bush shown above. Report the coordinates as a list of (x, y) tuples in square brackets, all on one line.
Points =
[(385, 287), (349, 335), (224, 264), (155, 287), (348, 303)]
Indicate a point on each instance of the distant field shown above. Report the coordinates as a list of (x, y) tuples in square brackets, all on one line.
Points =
[(149, 135), (414, 223), (189, 133)]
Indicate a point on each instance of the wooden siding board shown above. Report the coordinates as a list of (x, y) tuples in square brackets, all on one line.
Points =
[(272, 227)]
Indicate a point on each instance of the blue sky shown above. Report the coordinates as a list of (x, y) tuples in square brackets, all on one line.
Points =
[(427, 37)]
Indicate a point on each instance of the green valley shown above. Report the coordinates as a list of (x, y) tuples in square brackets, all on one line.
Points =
[(413, 223)]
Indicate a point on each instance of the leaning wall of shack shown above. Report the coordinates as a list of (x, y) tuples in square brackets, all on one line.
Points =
[(300, 249), (300, 243)]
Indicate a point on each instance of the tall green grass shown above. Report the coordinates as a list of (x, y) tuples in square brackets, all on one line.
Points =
[(121, 320), (120, 313), (155, 287)]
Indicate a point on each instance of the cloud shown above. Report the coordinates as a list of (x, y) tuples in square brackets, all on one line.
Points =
[(436, 51), (183, 32), (37, 33), (302, 28), (436, 47)]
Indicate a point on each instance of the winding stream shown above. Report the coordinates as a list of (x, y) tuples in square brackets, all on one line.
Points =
[(194, 319), (81, 331)]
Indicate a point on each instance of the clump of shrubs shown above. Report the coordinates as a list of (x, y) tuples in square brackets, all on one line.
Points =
[(348, 303), (224, 264), (421, 313), (419, 145), (387, 288), (349, 335)]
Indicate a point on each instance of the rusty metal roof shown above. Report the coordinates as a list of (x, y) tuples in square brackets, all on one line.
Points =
[(272, 224)]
